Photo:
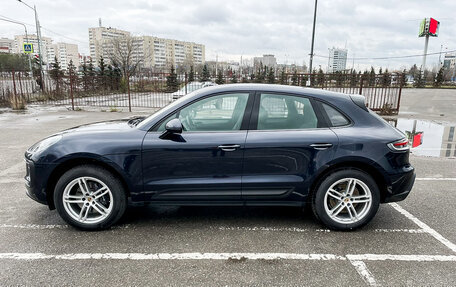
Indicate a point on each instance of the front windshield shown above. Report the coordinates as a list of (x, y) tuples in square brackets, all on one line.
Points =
[(164, 109)]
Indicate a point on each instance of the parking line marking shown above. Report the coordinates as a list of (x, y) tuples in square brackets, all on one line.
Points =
[(171, 256), (227, 256), (424, 226), (400, 230), (51, 226), (362, 270), (297, 229), (394, 257), (436, 178)]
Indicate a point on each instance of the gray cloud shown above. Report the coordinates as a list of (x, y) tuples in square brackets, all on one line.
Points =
[(241, 27)]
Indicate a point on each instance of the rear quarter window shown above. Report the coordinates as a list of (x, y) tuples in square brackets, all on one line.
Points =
[(336, 118)]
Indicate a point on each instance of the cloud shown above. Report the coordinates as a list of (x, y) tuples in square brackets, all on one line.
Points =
[(230, 29)]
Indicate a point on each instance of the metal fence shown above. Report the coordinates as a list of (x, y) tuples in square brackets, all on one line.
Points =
[(153, 90)]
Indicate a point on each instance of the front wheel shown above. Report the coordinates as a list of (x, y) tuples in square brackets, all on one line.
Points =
[(346, 200), (89, 198)]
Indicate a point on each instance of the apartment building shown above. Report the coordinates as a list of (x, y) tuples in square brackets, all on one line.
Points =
[(6, 45), (65, 53), (150, 51)]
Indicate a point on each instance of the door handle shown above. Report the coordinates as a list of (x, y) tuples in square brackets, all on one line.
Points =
[(229, 147), (321, 146)]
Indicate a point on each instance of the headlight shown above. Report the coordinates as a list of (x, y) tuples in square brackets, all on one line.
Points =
[(44, 144)]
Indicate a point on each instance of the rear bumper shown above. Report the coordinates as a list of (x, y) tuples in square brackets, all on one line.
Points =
[(401, 185)]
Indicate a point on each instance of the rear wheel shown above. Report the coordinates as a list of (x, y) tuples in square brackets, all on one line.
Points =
[(346, 199), (90, 198)]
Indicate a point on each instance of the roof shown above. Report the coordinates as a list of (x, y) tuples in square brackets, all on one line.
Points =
[(318, 93)]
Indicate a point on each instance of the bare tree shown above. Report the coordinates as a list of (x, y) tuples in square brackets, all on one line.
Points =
[(125, 55)]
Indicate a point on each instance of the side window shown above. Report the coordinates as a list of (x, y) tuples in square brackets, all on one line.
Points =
[(285, 112), (217, 113), (335, 117)]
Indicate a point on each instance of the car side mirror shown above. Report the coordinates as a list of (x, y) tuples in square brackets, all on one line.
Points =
[(174, 126)]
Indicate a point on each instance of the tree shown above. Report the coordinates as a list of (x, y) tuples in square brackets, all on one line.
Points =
[(220, 80), (419, 80), (372, 77), (16, 62), (271, 76), (101, 73), (191, 75), (320, 78), (123, 55), (439, 78), (353, 78), (386, 78), (56, 74), (233, 77), (283, 77), (294, 78), (171, 81), (205, 75), (85, 76)]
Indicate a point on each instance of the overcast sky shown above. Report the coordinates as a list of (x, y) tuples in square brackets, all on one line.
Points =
[(249, 28)]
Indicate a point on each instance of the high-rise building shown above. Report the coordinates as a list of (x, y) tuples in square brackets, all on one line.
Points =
[(6, 45), (267, 61), (337, 60), (150, 51), (100, 41), (46, 42), (64, 52)]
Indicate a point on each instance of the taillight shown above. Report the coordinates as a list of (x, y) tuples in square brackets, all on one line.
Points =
[(400, 145)]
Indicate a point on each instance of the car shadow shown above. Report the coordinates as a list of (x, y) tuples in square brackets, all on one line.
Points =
[(219, 215)]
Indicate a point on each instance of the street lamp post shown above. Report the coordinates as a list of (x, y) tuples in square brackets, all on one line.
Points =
[(312, 45), (38, 36)]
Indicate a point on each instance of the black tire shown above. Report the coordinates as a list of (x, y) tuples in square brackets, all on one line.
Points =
[(318, 199), (119, 197)]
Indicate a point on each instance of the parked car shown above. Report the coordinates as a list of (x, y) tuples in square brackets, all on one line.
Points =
[(190, 87), (239, 144)]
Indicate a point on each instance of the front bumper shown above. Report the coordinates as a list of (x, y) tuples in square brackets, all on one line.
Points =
[(401, 185), (35, 182)]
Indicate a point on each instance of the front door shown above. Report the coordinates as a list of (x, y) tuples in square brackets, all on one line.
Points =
[(286, 143), (204, 163)]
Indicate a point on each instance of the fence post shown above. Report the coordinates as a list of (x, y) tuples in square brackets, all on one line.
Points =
[(361, 85), (14, 89), (128, 89), (400, 93), (185, 82), (71, 90)]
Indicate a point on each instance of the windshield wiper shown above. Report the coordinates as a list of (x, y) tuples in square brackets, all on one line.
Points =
[(135, 120)]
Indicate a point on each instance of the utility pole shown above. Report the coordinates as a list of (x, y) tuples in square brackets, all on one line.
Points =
[(312, 45)]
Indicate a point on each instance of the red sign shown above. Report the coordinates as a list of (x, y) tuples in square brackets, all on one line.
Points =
[(433, 27), (417, 139)]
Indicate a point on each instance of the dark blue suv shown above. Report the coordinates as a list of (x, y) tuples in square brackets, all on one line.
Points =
[(242, 144)]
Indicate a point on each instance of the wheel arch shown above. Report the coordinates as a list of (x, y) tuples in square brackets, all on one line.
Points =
[(370, 168), (70, 163)]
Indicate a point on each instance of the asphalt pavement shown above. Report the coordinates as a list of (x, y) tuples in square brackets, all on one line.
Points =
[(411, 243)]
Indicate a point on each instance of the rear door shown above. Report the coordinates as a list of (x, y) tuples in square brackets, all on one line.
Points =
[(287, 141)]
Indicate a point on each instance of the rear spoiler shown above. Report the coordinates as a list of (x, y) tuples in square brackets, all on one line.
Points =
[(360, 101)]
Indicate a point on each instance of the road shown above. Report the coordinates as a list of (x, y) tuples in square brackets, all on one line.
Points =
[(411, 243)]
